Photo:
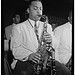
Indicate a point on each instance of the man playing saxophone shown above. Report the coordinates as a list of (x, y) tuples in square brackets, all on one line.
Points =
[(25, 44)]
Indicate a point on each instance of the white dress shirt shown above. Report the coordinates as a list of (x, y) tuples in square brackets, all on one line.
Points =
[(24, 40), (64, 46)]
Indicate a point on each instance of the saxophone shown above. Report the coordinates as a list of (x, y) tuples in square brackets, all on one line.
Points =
[(46, 51)]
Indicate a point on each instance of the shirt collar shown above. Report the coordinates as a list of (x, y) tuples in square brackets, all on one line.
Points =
[(33, 22), (69, 25)]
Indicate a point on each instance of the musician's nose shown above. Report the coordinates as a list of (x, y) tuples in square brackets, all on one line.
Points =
[(39, 12)]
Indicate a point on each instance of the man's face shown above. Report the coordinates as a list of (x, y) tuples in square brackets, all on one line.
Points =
[(35, 9), (17, 19)]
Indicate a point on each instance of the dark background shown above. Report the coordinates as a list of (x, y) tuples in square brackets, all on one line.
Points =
[(58, 8)]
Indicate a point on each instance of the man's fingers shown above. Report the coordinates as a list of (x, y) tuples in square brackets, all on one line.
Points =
[(37, 54), (35, 57), (34, 60)]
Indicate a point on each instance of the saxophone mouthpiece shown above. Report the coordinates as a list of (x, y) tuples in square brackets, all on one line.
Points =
[(44, 18)]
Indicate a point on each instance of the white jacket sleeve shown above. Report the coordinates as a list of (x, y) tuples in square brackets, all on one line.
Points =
[(18, 46), (57, 36)]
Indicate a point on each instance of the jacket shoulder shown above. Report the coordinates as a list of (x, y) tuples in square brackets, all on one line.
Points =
[(8, 27), (20, 25)]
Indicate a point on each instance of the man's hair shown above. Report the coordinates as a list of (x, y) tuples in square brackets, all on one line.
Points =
[(14, 14), (30, 1)]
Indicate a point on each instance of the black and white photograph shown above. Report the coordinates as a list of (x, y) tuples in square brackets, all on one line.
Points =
[(37, 37)]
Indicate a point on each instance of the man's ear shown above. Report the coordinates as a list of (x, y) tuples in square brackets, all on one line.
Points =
[(28, 10), (68, 18), (13, 19)]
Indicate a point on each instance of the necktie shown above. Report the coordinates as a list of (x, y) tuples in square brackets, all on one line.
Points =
[(36, 30)]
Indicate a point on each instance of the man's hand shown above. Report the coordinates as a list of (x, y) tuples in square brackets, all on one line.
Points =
[(47, 37), (35, 57)]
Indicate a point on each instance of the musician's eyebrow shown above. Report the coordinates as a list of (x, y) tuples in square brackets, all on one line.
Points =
[(34, 6)]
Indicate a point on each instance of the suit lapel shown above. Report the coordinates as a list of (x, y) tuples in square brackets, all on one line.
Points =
[(32, 35)]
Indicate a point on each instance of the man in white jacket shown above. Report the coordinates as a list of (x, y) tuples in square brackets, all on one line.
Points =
[(64, 35), (24, 42), (7, 37)]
